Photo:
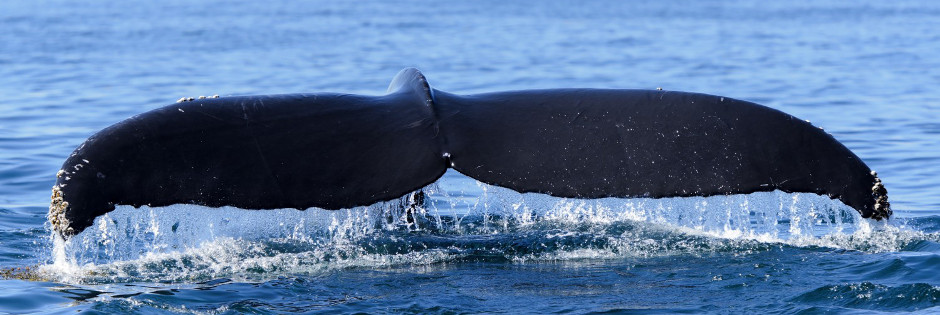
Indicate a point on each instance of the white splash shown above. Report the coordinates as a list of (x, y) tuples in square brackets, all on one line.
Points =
[(187, 243)]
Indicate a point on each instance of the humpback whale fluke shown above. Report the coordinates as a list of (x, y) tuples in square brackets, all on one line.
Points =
[(335, 151)]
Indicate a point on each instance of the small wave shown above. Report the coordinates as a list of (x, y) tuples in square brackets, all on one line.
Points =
[(871, 296)]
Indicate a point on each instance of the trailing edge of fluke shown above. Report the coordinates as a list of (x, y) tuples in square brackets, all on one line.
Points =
[(335, 151)]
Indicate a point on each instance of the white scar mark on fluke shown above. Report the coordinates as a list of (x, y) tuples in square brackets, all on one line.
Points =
[(190, 99)]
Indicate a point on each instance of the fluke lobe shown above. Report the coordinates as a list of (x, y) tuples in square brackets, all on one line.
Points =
[(335, 151)]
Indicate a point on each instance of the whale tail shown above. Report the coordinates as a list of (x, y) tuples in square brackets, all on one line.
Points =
[(335, 151)]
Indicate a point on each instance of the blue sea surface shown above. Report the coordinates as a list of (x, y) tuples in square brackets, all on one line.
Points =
[(865, 71)]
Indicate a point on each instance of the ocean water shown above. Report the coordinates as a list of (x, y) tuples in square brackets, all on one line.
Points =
[(866, 71)]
